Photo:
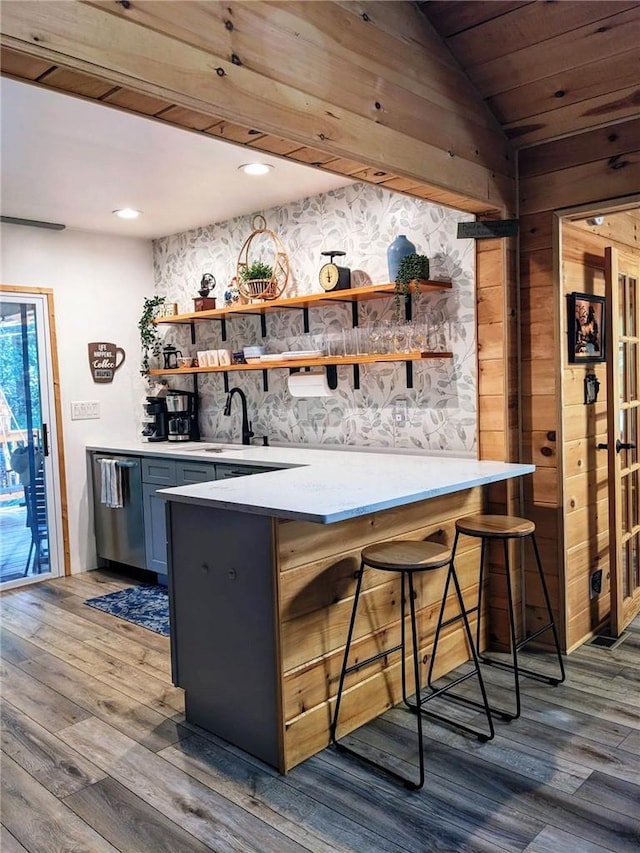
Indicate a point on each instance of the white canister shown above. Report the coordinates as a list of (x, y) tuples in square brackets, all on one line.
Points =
[(224, 357)]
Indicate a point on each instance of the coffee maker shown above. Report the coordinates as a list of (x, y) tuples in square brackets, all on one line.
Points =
[(156, 426), (182, 416)]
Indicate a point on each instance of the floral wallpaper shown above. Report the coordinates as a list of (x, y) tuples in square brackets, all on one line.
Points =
[(439, 412)]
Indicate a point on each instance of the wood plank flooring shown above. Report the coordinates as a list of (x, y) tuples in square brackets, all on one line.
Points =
[(97, 756)]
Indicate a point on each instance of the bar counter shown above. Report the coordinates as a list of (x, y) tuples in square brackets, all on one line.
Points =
[(262, 576)]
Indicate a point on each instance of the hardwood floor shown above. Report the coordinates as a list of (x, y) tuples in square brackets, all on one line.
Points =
[(97, 756)]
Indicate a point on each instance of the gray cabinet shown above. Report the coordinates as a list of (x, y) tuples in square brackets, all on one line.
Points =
[(155, 531), (159, 473), (145, 509), (194, 472)]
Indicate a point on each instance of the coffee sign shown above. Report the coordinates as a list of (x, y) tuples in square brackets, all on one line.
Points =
[(104, 360)]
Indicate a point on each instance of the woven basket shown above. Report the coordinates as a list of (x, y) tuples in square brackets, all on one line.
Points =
[(260, 288), (263, 288)]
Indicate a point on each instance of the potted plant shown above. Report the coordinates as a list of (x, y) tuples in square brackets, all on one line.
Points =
[(150, 340), (257, 280), (413, 270)]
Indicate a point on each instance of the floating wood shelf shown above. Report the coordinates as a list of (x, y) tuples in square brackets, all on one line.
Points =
[(355, 294), (292, 363)]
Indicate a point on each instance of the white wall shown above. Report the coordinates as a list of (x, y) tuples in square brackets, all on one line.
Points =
[(99, 283)]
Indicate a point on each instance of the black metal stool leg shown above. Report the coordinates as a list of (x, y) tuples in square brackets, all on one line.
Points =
[(419, 707), (514, 665), (552, 622), (343, 671), (409, 783), (416, 677), (501, 712), (480, 590), (441, 622)]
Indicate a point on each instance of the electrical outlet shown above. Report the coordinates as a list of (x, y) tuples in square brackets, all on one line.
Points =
[(82, 410), (595, 583), (400, 413)]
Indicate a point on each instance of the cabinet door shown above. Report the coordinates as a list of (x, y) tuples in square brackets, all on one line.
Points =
[(161, 472), (194, 472), (155, 531)]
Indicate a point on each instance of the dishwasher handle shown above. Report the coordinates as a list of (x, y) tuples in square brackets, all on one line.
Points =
[(118, 463)]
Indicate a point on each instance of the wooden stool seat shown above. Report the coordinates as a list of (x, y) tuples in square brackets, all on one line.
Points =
[(496, 526), (406, 556)]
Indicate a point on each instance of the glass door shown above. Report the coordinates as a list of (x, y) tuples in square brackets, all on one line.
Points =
[(623, 427), (30, 517)]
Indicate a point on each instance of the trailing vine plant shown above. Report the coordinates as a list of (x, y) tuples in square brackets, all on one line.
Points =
[(412, 268), (150, 340)]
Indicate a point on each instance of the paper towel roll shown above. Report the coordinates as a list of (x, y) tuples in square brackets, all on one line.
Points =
[(313, 384)]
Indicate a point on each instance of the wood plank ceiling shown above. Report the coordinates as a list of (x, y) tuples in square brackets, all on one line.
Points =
[(546, 69)]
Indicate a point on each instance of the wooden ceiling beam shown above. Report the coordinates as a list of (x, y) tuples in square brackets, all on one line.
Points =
[(112, 45)]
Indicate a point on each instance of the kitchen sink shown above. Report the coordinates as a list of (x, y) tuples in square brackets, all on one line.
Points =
[(206, 447)]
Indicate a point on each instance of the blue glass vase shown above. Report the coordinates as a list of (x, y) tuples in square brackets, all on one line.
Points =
[(399, 249)]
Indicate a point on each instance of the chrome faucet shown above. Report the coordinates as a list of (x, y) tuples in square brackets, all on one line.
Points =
[(247, 433)]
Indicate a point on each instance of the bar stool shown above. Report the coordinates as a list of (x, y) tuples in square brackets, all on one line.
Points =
[(505, 528), (407, 558)]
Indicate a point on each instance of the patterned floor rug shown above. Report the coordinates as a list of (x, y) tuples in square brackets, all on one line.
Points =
[(147, 606)]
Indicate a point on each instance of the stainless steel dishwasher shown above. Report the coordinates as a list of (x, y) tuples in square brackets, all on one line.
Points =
[(120, 532)]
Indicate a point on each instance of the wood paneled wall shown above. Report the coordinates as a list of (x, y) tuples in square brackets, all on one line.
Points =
[(558, 431)]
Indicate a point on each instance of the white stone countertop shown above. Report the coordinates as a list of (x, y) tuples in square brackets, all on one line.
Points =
[(322, 486)]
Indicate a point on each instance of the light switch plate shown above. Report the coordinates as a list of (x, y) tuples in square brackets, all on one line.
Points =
[(82, 410)]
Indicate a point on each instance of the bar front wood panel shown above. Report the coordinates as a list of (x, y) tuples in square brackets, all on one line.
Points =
[(316, 583)]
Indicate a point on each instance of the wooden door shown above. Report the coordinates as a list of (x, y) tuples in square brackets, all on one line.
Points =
[(623, 433)]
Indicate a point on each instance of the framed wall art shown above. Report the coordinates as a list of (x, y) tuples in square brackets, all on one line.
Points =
[(586, 320)]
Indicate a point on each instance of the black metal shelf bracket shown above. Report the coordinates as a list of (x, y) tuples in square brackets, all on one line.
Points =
[(223, 330), (408, 308), (356, 377), (265, 381), (263, 324), (225, 377), (354, 313), (193, 332), (305, 320), (332, 376), (409, 366)]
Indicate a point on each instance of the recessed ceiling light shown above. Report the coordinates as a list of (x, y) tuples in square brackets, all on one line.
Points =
[(256, 168), (127, 213)]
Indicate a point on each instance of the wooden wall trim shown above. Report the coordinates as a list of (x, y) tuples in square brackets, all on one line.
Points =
[(379, 110)]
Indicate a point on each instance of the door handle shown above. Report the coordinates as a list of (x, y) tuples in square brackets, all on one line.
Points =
[(620, 445)]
